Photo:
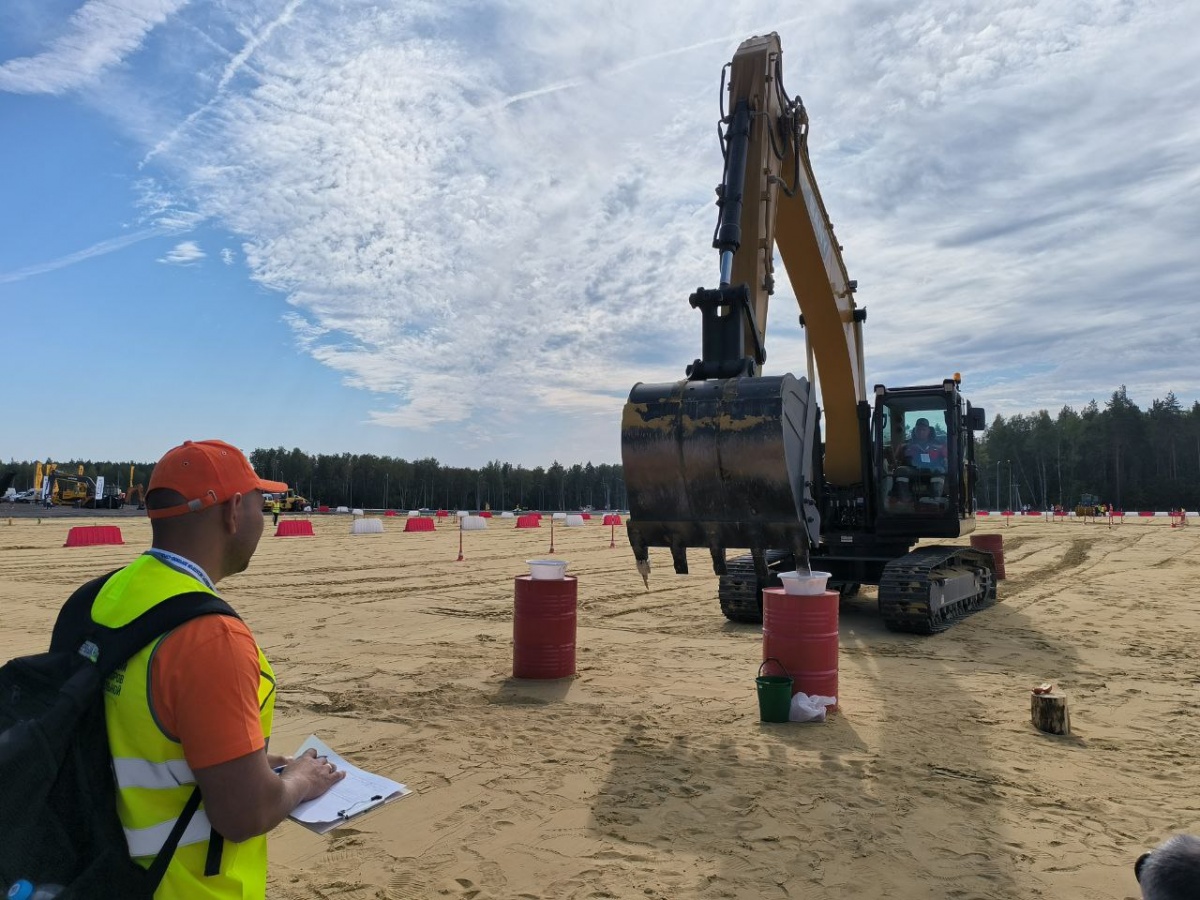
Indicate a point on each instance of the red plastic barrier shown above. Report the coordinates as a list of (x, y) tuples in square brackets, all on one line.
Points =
[(1146, 514), (486, 514), (419, 523), (294, 528), (441, 513), (324, 509), (585, 516), (93, 536), (529, 521), (612, 519), (982, 512), (390, 512)]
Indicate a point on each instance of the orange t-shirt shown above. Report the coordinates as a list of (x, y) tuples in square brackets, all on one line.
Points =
[(204, 690)]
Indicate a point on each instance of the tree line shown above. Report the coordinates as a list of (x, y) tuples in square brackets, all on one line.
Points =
[(384, 482), (1117, 454)]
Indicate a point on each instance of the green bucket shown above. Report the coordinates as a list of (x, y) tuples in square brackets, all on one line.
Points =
[(774, 694)]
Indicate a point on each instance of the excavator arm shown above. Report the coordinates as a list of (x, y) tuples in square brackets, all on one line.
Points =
[(727, 457), (790, 217)]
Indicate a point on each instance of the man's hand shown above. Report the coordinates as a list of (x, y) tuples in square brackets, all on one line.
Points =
[(313, 775)]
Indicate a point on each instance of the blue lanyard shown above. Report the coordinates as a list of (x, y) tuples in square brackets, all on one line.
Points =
[(183, 565)]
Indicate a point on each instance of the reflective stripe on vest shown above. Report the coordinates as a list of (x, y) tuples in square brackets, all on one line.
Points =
[(141, 773), (153, 779), (148, 841)]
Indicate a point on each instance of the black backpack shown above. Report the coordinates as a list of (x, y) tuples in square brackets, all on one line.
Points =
[(58, 812)]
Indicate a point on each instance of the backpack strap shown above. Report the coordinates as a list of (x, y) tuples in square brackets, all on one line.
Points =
[(115, 646), (111, 648)]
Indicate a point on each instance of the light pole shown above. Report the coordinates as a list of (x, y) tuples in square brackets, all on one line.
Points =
[(387, 477), (998, 483), (1010, 484)]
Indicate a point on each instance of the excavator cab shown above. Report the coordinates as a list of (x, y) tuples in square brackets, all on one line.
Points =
[(924, 455)]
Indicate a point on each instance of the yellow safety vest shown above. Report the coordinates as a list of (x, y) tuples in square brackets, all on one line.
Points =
[(153, 778)]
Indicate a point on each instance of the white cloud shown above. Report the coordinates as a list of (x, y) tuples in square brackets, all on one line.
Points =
[(98, 249), (185, 253), (227, 256), (96, 37), (494, 213)]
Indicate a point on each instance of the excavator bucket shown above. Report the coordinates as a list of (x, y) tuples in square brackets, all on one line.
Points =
[(719, 464)]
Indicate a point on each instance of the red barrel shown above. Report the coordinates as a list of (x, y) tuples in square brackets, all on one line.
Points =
[(544, 627), (993, 544), (802, 633)]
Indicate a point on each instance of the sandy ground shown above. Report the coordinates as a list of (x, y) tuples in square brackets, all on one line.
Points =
[(649, 774)]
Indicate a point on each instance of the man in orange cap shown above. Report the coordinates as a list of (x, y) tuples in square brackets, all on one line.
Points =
[(194, 707)]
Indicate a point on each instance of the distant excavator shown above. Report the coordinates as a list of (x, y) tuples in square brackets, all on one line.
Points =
[(730, 458)]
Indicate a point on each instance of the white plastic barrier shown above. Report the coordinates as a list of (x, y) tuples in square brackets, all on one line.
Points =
[(559, 516), (366, 526), (463, 513), (343, 509), (413, 513), (357, 512), (574, 521), (474, 523), (506, 515)]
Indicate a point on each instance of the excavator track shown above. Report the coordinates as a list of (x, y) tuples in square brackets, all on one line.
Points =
[(930, 589), (740, 591)]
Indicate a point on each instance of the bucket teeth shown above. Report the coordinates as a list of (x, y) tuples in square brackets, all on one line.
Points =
[(760, 563), (643, 567), (679, 559), (718, 559)]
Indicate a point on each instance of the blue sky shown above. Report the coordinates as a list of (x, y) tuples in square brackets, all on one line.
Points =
[(466, 229)]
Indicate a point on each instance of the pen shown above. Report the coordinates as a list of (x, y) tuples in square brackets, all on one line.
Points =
[(349, 811)]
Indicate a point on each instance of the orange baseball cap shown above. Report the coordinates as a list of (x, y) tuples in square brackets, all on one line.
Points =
[(207, 473)]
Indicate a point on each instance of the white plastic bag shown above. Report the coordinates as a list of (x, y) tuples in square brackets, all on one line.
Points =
[(809, 709)]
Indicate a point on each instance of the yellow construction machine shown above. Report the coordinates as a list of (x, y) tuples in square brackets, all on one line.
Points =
[(288, 502), (730, 458), (71, 489)]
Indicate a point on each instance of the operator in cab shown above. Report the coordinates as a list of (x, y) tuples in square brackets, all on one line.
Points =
[(922, 460)]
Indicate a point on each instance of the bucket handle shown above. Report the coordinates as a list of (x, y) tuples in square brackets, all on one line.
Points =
[(777, 662)]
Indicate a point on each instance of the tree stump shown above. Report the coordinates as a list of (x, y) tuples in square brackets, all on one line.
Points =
[(1049, 713)]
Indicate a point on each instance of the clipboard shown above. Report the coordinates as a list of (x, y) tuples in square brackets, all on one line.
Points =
[(358, 793)]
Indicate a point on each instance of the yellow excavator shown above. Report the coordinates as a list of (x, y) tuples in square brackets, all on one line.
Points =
[(731, 458)]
